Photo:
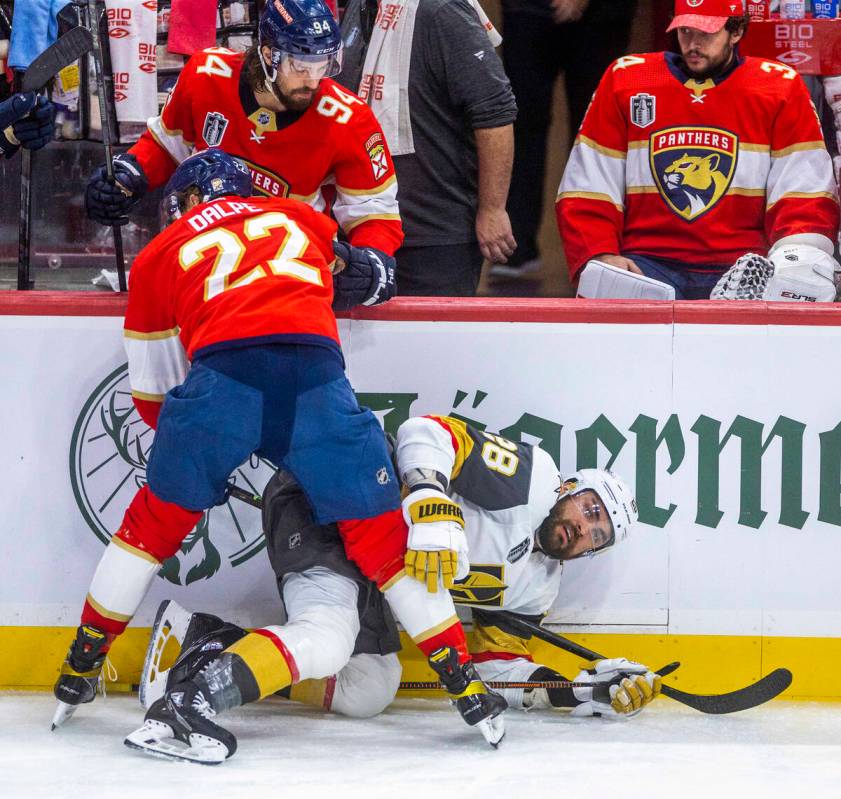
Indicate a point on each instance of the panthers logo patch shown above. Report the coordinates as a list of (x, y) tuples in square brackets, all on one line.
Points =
[(693, 167)]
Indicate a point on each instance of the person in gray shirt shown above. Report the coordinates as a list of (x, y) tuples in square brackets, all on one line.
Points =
[(454, 186)]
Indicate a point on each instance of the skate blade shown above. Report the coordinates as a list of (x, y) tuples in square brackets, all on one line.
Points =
[(155, 738), (62, 713), (493, 730)]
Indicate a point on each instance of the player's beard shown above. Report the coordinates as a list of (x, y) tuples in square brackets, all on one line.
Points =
[(297, 99), (713, 68)]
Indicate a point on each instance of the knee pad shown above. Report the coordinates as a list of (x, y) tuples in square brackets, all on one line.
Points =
[(366, 685), (155, 526), (320, 639)]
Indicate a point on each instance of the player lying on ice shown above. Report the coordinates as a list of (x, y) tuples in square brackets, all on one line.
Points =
[(471, 495), (241, 287)]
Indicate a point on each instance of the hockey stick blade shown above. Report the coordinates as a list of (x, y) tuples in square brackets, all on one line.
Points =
[(745, 698), (764, 690), (67, 49)]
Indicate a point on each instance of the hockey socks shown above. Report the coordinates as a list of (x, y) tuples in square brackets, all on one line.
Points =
[(429, 619)]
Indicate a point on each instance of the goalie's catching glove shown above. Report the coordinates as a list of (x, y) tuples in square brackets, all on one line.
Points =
[(109, 203), (620, 688), (792, 273), (368, 277), (437, 546)]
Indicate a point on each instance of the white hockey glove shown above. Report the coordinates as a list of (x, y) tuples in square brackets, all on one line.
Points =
[(745, 280), (802, 273), (437, 546), (620, 689)]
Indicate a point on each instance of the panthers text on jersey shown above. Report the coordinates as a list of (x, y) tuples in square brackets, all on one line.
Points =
[(699, 172), (336, 140), (228, 272)]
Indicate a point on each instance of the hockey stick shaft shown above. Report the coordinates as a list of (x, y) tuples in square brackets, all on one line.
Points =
[(757, 693), (422, 685), (105, 120), (255, 500)]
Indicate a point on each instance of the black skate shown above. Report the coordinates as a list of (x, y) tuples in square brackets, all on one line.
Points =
[(202, 637), (180, 727), (80, 673), (479, 706)]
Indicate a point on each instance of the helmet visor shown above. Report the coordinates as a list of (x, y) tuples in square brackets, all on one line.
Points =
[(596, 530), (309, 67)]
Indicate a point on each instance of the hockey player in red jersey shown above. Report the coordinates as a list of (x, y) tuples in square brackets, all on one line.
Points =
[(687, 161), (240, 287), (276, 108)]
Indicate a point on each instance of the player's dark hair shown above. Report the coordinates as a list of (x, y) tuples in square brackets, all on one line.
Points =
[(254, 75), (737, 24)]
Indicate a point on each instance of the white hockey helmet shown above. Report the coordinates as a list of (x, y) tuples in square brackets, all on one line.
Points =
[(615, 495)]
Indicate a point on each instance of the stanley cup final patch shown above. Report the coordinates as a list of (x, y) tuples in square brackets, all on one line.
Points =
[(693, 167), (215, 125), (376, 152), (643, 109)]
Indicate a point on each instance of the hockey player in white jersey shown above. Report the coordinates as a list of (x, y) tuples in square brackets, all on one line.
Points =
[(521, 521)]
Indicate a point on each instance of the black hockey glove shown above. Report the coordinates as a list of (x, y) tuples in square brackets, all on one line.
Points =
[(368, 278), (109, 203), (37, 127)]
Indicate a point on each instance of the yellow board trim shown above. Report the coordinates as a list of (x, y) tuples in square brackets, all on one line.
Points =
[(33, 655)]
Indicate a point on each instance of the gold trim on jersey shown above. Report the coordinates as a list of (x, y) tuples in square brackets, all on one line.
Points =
[(803, 195), (267, 127), (641, 190), (436, 630), (755, 148), (175, 134), (747, 192), (638, 144), (393, 581), (108, 614), (154, 336), (139, 553), (699, 86), (600, 148), (590, 195), (492, 639), (367, 218), (458, 429), (798, 148), (148, 397), (378, 189)]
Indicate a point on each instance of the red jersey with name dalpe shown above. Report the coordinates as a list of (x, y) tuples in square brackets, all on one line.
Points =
[(228, 272), (336, 142)]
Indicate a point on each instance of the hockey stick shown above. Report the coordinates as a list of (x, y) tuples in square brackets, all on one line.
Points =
[(423, 685), (255, 500), (757, 693), (105, 119), (63, 52)]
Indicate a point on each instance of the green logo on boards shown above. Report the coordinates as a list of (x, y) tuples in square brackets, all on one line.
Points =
[(108, 455)]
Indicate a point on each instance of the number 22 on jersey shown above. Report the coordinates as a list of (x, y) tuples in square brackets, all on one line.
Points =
[(230, 249)]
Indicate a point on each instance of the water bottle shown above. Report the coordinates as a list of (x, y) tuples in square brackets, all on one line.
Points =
[(825, 9), (793, 9)]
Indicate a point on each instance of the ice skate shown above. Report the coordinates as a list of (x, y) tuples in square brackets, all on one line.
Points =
[(80, 673), (478, 705), (180, 727)]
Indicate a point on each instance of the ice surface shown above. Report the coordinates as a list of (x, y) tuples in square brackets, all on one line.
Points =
[(420, 748)]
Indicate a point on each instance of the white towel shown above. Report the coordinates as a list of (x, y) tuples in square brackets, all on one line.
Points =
[(385, 75), (133, 39)]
